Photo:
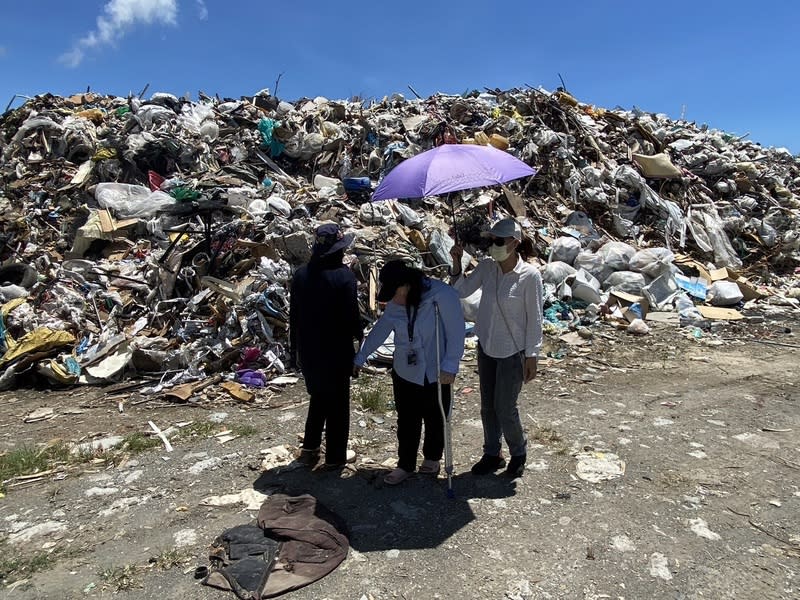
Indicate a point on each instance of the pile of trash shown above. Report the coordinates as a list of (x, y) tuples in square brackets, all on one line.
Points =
[(158, 236)]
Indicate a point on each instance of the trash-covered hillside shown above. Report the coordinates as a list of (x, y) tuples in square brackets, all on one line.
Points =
[(157, 236)]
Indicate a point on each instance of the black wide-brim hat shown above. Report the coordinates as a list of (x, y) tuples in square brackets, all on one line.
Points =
[(331, 239)]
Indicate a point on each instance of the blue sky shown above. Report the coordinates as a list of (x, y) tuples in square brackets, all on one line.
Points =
[(731, 64)]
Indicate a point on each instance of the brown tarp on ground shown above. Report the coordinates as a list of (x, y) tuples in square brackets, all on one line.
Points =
[(310, 541)]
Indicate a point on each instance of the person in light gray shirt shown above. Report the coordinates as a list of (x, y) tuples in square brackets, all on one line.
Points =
[(413, 302), (509, 330)]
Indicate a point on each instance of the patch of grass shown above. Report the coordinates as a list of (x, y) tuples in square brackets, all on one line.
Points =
[(120, 578), (546, 434), (371, 395), (27, 460), (19, 567), (138, 442), (199, 429), (169, 559), (244, 430)]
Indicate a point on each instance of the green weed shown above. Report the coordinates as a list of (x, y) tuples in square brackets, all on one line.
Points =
[(120, 578), (27, 460), (370, 394), (244, 430), (199, 429), (138, 442), (169, 559), (16, 568), (546, 434)]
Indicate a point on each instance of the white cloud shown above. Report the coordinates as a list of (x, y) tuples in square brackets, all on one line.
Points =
[(202, 10), (119, 17)]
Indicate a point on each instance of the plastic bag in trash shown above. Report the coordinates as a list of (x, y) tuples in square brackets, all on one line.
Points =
[(638, 327), (408, 216), (593, 263), (625, 281), (565, 249), (617, 255), (439, 244), (724, 293), (652, 261), (375, 213), (131, 201), (470, 306), (556, 272)]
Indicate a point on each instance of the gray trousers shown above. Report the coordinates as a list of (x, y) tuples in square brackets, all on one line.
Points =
[(501, 382)]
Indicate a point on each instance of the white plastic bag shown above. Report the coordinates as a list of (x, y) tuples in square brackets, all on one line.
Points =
[(625, 281), (565, 249), (131, 201), (279, 205), (724, 293), (617, 255), (593, 263), (652, 261), (407, 215), (375, 213), (556, 272), (638, 327)]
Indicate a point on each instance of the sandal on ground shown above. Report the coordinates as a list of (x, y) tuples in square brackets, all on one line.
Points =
[(397, 476), (429, 467)]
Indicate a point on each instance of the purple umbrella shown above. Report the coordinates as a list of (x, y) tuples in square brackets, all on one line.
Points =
[(450, 168)]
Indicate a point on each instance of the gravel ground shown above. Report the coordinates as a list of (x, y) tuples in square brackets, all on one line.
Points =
[(703, 433)]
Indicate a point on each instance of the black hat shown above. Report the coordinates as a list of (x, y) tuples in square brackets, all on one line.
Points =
[(393, 274), (330, 239)]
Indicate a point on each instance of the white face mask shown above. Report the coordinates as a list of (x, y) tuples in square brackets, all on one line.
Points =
[(499, 253)]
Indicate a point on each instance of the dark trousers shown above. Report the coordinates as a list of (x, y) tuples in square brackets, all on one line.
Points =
[(329, 407), (501, 381), (418, 404)]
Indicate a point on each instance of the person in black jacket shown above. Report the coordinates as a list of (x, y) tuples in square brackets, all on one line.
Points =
[(324, 322)]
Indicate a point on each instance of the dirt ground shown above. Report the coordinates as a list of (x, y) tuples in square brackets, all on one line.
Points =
[(708, 505)]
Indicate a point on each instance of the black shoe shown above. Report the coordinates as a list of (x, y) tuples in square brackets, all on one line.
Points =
[(488, 464), (309, 458), (516, 466)]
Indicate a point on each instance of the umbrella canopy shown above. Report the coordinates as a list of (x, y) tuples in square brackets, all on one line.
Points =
[(450, 168)]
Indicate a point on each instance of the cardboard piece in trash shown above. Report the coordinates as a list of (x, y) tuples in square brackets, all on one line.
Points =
[(687, 261), (573, 339), (515, 201), (624, 300), (237, 391), (670, 318), (719, 313), (185, 391)]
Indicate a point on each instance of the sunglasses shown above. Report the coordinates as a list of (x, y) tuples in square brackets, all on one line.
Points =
[(500, 241)]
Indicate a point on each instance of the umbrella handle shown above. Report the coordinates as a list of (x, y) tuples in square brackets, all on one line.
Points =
[(453, 215)]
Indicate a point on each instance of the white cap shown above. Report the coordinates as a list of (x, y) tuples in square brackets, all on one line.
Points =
[(506, 228)]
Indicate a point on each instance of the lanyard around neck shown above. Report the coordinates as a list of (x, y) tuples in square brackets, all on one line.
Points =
[(412, 319)]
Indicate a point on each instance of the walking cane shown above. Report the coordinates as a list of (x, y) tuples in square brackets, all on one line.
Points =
[(448, 443)]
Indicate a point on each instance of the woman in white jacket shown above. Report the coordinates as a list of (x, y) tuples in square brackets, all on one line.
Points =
[(509, 330), (410, 314)]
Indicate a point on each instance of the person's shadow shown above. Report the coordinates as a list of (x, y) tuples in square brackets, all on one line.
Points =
[(414, 514)]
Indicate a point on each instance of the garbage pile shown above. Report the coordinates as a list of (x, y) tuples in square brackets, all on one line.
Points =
[(158, 236)]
